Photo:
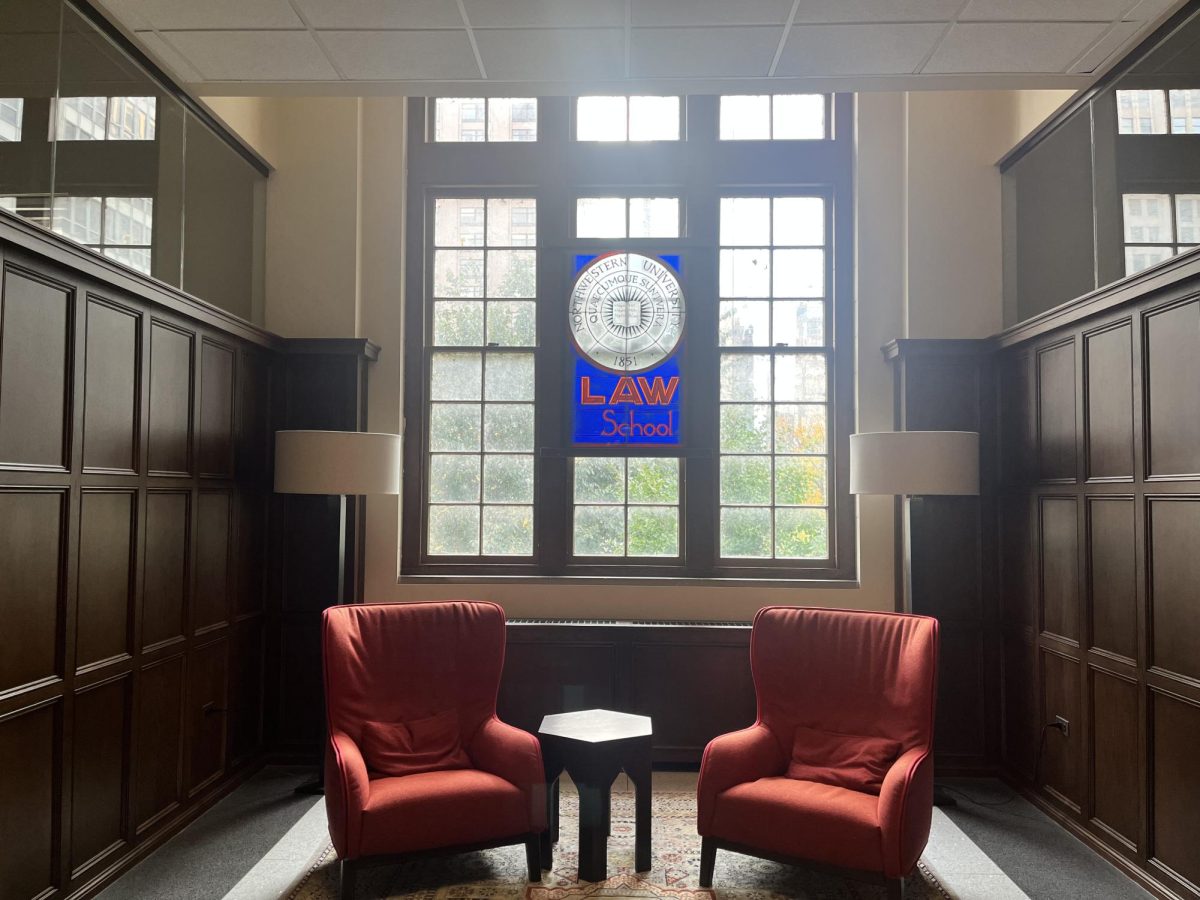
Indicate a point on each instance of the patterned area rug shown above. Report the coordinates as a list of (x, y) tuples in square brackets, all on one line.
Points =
[(494, 874)]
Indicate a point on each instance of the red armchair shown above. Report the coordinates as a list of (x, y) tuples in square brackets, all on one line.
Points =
[(417, 762), (845, 705)]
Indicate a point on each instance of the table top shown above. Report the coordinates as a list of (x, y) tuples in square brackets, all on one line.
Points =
[(595, 726)]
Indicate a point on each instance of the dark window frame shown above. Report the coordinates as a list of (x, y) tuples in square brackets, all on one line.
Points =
[(699, 169)]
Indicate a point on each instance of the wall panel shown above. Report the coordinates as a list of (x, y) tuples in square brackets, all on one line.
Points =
[(166, 566), (1109, 382), (1112, 574), (1172, 350), (111, 402), (216, 410), (98, 780), (1175, 585), (30, 779), (104, 604), (1056, 450), (1060, 566), (1176, 817), (158, 741), (213, 550), (170, 434), (1116, 774)]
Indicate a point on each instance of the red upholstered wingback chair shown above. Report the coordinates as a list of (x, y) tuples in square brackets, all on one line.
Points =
[(424, 663), (850, 673)]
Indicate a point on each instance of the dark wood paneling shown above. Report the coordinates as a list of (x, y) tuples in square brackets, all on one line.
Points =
[(170, 435), (1175, 585), (104, 611), (1020, 706), (207, 668), (1060, 567), (1176, 818), (1061, 771), (1112, 574), (545, 678), (1114, 750), (1018, 578), (31, 561), (1056, 412), (166, 566), (111, 388), (1172, 349), (158, 741), (35, 367), (1109, 381), (213, 516), (250, 551), (98, 779), (246, 690), (216, 409), (28, 784)]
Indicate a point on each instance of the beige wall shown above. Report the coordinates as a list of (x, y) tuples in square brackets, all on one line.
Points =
[(928, 250)]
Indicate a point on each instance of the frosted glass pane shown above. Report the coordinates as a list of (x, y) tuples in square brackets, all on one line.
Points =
[(455, 376), (800, 429), (599, 531), (512, 119), (458, 273), (745, 221), (508, 427), (600, 217), (745, 479), (654, 217), (512, 323), (800, 377), (508, 530), (459, 119), (458, 323), (744, 323), (746, 118), (507, 479), (453, 479), (798, 323), (745, 532), (512, 223), (509, 376), (653, 480), (801, 533), (799, 220), (454, 426), (653, 531), (458, 222), (798, 273), (599, 479), (512, 273), (745, 428), (745, 273), (454, 530), (745, 376), (800, 481)]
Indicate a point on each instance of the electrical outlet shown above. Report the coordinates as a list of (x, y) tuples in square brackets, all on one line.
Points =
[(1063, 725)]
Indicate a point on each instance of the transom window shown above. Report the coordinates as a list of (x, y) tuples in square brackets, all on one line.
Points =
[(480, 119), (779, 117), (717, 448), (1158, 226)]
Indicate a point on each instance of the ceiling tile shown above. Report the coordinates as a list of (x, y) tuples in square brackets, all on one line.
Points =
[(402, 55), (1013, 46), (672, 52), (381, 13), (196, 14), (552, 54), (877, 10), (856, 49), (710, 12), (253, 55), (1121, 35), (1045, 10), (167, 56), (545, 13)]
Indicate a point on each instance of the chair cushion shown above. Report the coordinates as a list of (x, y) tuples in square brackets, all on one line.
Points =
[(802, 819), (409, 748), (441, 809), (851, 761)]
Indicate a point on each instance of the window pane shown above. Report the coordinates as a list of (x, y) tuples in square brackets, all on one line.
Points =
[(653, 531), (1147, 218), (746, 479), (458, 323), (798, 273), (601, 119), (508, 427), (458, 273), (1138, 258), (599, 479), (745, 221), (654, 480), (453, 479), (746, 532), (135, 257), (800, 481), (655, 217), (654, 118), (458, 222), (509, 376), (512, 119), (508, 530), (1141, 112), (512, 273), (78, 218), (453, 530), (600, 217), (745, 323), (746, 118), (1187, 213), (745, 376), (455, 376), (459, 119), (798, 323), (745, 428), (81, 118), (800, 429), (508, 479), (512, 223), (801, 533), (599, 531), (1185, 112), (131, 118), (746, 273), (799, 221), (799, 377), (454, 426), (512, 323), (12, 110), (128, 220), (799, 117)]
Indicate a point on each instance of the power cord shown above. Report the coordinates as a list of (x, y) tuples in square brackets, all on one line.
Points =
[(1037, 768)]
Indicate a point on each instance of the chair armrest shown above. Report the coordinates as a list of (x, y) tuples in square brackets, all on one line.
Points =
[(905, 810), (515, 756), (347, 787), (733, 759)]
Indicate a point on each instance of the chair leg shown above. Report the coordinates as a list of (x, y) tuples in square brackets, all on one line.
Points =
[(348, 878), (533, 856), (895, 889), (708, 861)]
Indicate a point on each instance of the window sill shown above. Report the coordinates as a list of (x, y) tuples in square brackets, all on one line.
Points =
[(849, 583)]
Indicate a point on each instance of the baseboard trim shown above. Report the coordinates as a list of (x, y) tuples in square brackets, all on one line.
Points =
[(202, 803), (1093, 842)]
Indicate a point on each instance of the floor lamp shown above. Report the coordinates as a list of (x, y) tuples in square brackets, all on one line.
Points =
[(910, 465), (338, 464)]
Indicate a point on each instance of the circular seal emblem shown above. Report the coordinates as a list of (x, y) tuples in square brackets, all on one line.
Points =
[(626, 312)]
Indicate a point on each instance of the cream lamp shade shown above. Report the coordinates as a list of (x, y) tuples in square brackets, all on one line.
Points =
[(337, 462), (917, 463)]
